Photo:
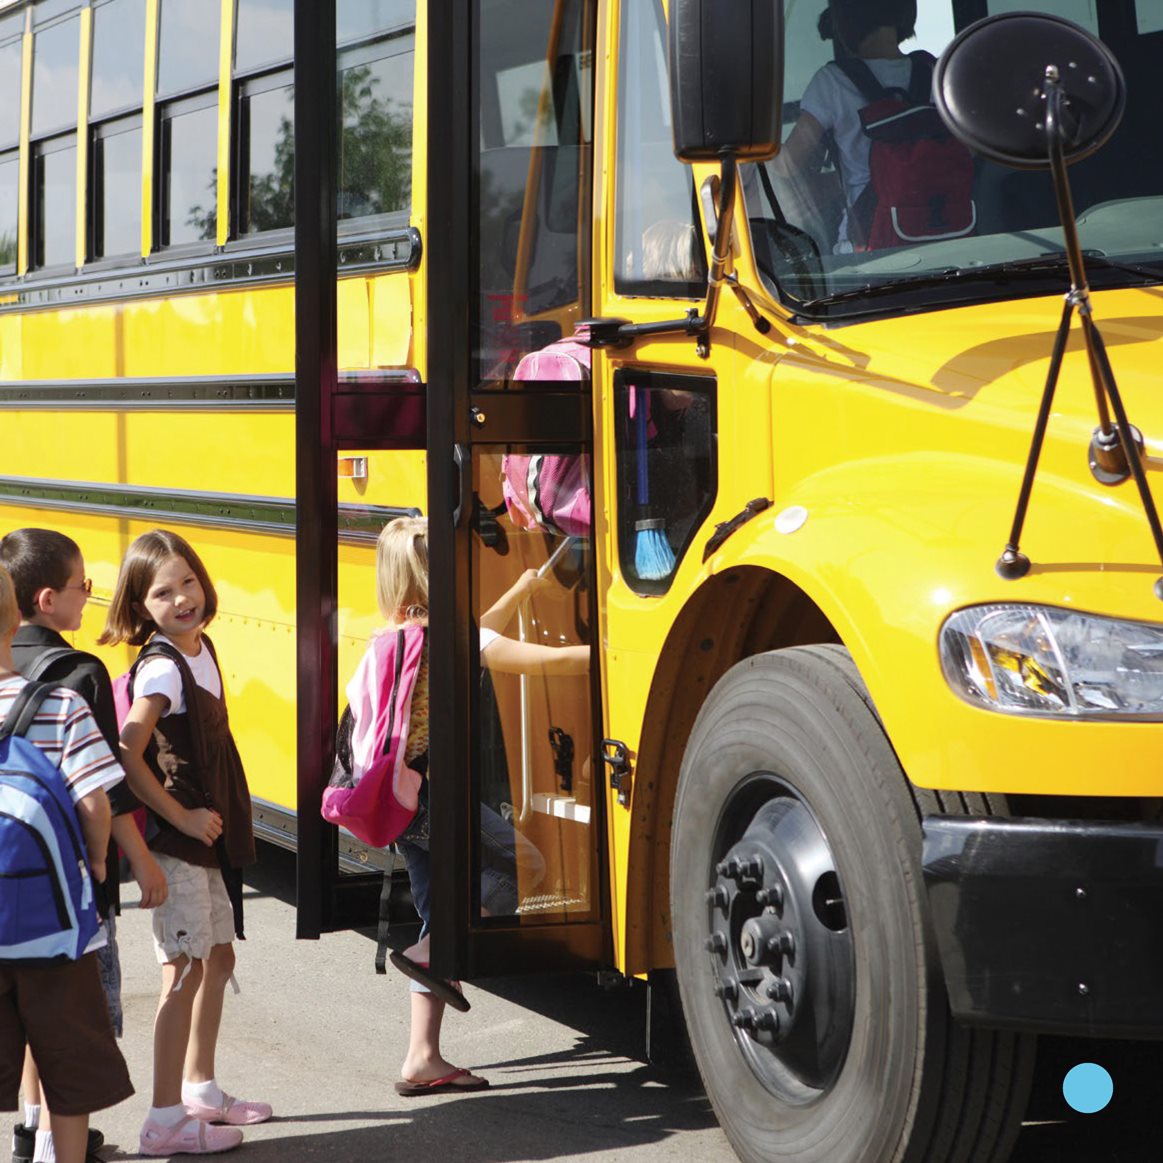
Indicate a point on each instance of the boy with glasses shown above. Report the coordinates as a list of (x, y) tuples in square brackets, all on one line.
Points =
[(51, 590)]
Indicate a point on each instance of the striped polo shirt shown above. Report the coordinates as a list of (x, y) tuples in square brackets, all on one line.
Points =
[(65, 730)]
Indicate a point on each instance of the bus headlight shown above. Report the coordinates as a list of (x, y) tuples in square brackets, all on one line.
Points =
[(1041, 660)]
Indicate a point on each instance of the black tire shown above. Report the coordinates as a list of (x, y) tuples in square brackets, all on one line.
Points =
[(788, 766)]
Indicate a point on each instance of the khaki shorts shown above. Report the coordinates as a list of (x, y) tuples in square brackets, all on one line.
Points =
[(59, 1011), (197, 914)]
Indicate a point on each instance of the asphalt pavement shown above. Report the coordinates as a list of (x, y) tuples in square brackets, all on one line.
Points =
[(318, 1034)]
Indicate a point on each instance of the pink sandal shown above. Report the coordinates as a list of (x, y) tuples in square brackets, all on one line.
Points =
[(189, 1137)]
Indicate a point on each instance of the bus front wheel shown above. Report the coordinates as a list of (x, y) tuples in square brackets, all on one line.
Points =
[(811, 988)]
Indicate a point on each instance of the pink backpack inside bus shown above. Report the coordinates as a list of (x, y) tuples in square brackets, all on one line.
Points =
[(551, 491)]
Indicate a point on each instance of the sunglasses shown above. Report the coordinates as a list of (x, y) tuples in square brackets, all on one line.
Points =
[(86, 585)]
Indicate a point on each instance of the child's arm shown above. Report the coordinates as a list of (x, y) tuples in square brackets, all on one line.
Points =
[(501, 612), (199, 823), (94, 816), (511, 657), (146, 870)]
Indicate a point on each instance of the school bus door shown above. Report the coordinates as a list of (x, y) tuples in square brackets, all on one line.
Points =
[(516, 808)]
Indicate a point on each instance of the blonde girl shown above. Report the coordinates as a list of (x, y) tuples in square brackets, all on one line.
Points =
[(181, 762)]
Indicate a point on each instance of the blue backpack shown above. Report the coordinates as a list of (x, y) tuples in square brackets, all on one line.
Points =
[(47, 907)]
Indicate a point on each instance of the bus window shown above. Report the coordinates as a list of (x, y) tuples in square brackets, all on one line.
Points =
[(375, 147), (266, 154), (264, 34), (796, 211), (665, 443), (115, 181), (11, 28), (187, 171), (115, 155), (536, 100), (653, 186), (55, 51), (187, 48), (54, 177), (366, 18), (118, 57)]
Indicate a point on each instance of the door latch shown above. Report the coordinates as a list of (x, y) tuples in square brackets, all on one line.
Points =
[(617, 759), (562, 746)]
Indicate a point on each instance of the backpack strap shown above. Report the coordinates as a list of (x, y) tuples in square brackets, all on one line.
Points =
[(863, 78), (24, 708), (48, 659), (189, 685), (920, 91)]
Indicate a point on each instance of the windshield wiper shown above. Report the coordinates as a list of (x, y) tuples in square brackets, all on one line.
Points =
[(1038, 266)]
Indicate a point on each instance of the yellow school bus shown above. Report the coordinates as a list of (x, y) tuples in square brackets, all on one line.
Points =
[(868, 754)]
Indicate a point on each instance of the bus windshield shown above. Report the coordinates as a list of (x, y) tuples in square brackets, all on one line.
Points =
[(827, 253)]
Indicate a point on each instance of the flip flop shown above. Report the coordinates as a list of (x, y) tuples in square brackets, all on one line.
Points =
[(445, 990), (439, 1085)]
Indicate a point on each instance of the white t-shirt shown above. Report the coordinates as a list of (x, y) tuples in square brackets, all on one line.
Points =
[(835, 102), (160, 676), (487, 637)]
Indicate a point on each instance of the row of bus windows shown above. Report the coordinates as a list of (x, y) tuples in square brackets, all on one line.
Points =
[(375, 68)]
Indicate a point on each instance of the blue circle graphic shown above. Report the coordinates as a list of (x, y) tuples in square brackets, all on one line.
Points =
[(1087, 1087)]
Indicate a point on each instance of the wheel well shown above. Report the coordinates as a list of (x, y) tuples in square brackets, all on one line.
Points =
[(737, 614)]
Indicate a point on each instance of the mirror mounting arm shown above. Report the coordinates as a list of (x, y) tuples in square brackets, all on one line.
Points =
[(1116, 451)]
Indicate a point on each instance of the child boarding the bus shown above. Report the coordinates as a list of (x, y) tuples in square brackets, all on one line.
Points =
[(48, 575), (183, 765), (506, 855), (58, 1010)]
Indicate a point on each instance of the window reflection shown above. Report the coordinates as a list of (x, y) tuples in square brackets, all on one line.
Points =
[(375, 159), (268, 147), (357, 19), (117, 186), (56, 199), (10, 93), (655, 213), (187, 47), (189, 175), (264, 33), (9, 187), (118, 56), (54, 76)]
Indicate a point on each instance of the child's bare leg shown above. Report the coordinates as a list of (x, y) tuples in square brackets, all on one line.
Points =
[(171, 1030), (424, 1061), (70, 1135), (207, 1017), (30, 1083)]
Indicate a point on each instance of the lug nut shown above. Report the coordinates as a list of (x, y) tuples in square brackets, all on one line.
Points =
[(769, 1021), (780, 990), (717, 943), (782, 944), (728, 990), (745, 1019), (718, 898), (771, 897)]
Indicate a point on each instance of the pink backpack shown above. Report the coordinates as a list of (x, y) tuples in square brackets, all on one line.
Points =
[(551, 491), (377, 806)]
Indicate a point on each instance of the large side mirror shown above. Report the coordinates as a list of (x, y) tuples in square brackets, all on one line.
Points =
[(726, 78), (989, 87)]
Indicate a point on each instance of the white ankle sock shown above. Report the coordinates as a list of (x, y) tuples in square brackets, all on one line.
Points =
[(168, 1116), (31, 1116), (44, 1151), (207, 1093)]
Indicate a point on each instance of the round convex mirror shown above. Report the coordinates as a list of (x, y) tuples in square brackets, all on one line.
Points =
[(988, 87)]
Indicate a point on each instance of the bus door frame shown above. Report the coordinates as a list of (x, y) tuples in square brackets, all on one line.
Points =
[(461, 948), (374, 410)]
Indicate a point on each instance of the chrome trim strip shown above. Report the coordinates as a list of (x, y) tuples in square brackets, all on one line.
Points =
[(269, 393), (274, 516), (373, 253)]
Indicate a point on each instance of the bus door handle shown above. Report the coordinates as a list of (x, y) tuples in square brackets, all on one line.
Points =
[(461, 462)]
